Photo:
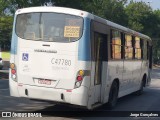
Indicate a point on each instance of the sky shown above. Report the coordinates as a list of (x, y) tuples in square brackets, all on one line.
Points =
[(155, 4)]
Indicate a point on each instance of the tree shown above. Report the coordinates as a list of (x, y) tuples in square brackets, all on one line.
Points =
[(13, 5), (77, 4), (156, 35), (3, 6), (138, 14), (112, 10), (5, 30), (143, 19), (6, 22)]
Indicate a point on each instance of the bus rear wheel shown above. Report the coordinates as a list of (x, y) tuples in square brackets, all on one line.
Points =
[(140, 91), (113, 95)]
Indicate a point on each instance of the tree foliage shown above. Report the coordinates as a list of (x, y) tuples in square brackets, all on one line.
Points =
[(114, 10), (3, 5), (5, 30), (110, 9), (138, 14)]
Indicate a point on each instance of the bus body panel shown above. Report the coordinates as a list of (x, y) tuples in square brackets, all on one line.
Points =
[(115, 72), (137, 74), (131, 75), (39, 64), (76, 96), (13, 87)]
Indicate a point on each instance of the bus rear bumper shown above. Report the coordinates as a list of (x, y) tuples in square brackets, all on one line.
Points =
[(13, 88), (78, 96)]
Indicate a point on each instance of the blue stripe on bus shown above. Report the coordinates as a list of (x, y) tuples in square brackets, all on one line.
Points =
[(14, 40), (84, 50)]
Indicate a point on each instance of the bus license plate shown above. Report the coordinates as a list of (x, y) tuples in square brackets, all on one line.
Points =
[(43, 81)]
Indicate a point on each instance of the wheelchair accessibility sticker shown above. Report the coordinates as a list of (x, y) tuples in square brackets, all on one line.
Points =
[(25, 56)]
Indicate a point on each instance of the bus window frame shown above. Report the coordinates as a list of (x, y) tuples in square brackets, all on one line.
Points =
[(111, 45)]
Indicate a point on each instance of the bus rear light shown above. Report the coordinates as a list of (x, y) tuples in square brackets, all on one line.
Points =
[(81, 73), (78, 84), (79, 78), (14, 76), (13, 71), (12, 65)]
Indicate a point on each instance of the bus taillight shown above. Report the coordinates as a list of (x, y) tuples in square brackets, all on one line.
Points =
[(13, 71), (81, 73), (12, 65), (79, 78)]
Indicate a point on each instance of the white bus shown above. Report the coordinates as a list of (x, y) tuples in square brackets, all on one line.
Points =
[(71, 56)]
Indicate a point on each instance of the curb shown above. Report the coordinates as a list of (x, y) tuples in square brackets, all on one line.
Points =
[(155, 65)]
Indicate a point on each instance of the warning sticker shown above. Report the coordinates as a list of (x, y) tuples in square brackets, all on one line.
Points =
[(71, 31)]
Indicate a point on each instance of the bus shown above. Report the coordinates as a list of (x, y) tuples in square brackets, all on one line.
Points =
[(73, 57)]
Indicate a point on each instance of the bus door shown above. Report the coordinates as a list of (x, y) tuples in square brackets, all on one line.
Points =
[(100, 50)]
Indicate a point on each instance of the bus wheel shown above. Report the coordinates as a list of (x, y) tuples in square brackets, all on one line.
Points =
[(113, 95), (140, 91)]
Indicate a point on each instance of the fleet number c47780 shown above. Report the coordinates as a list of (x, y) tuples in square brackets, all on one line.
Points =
[(64, 62)]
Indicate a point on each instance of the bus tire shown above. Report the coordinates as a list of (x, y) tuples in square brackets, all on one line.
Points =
[(113, 95), (140, 91)]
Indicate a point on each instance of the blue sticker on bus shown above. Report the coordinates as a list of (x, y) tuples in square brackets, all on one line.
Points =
[(25, 56)]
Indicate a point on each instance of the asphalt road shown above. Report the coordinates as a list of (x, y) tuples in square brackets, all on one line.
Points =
[(149, 101)]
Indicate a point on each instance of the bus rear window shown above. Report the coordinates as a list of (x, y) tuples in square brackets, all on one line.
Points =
[(50, 27)]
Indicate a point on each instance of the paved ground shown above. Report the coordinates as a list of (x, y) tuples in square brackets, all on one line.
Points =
[(149, 101)]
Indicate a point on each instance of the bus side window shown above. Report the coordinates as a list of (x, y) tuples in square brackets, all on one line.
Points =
[(137, 46), (128, 47), (116, 44), (142, 48), (150, 56), (145, 50)]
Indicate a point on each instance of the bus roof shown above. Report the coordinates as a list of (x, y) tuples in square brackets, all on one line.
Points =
[(82, 14), (55, 9), (120, 27)]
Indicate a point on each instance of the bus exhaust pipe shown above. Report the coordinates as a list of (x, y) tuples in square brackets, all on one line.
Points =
[(26, 92), (62, 96)]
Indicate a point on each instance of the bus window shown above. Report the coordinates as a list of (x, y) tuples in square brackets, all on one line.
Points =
[(142, 48), (137, 46), (128, 47), (145, 49), (116, 45), (52, 27)]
